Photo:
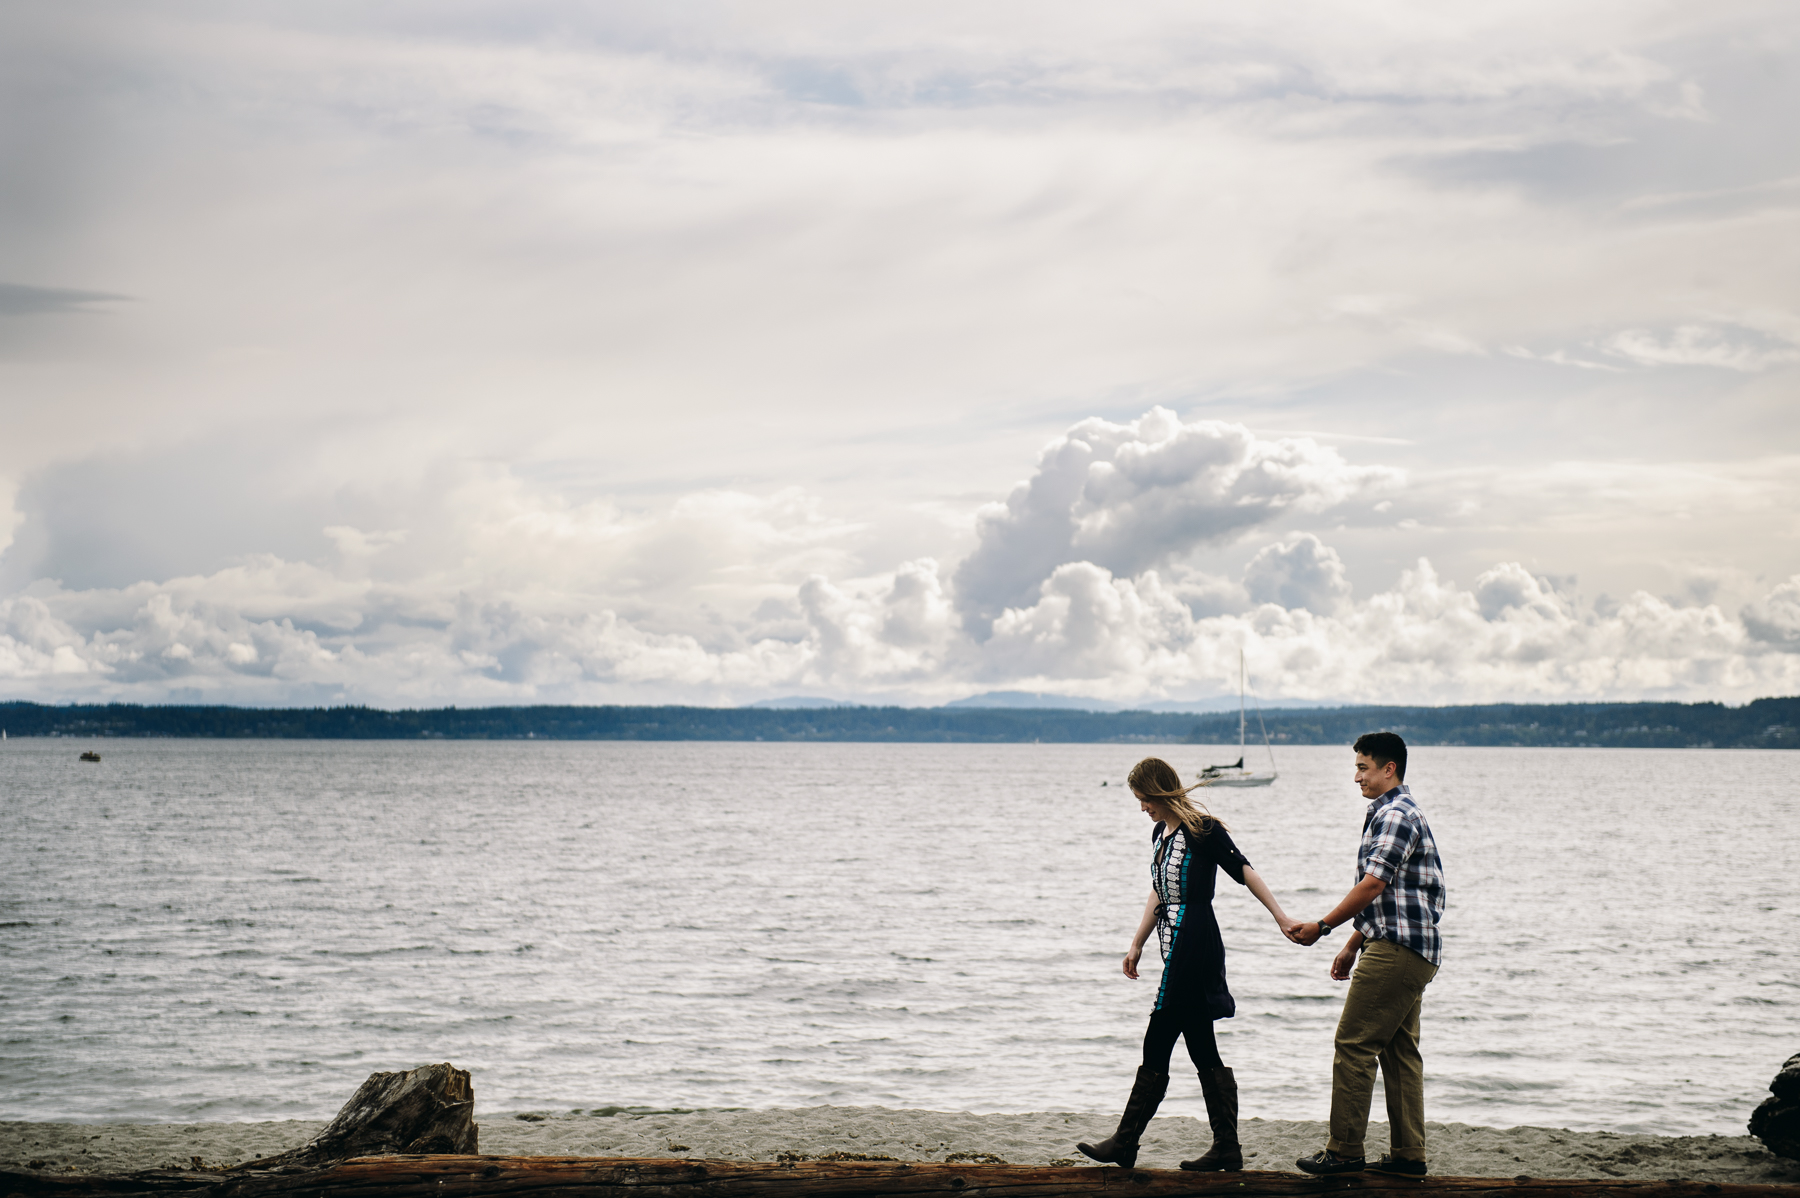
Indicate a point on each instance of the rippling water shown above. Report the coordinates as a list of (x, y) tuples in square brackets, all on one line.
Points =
[(244, 930)]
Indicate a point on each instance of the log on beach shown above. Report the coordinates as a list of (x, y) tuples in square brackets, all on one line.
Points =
[(614, 1177)]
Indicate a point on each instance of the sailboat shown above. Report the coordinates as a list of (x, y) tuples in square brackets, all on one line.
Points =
[(1236, 774)]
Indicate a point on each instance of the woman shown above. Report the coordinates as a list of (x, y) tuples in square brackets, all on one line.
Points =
[(1189, 844)]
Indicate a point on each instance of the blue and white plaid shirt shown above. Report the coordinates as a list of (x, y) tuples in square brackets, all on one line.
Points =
[(1397, 848)]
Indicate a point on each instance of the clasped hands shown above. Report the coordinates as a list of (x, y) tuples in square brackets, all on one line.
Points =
[(1301, 932), (1308, 933)]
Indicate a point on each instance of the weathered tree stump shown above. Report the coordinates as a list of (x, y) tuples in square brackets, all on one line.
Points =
[(1777, 1121), (421, 1111)]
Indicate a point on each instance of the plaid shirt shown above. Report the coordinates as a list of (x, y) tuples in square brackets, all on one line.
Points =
[(1397, 848)]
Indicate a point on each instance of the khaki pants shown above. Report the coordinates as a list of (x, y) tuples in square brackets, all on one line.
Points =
[(1380, 1024)]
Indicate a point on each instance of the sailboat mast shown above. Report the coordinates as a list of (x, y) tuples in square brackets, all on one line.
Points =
[(1241, 705)]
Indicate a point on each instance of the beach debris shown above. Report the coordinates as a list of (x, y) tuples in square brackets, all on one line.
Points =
[(428, 1110), (1777, 1121)]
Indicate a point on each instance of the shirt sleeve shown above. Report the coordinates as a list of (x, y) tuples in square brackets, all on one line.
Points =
[(1223, 852), (1392, 840)]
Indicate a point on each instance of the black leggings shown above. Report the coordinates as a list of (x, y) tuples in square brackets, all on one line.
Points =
[(1165, 1026)]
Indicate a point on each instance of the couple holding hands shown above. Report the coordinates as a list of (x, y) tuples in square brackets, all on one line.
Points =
[(1394, 906)]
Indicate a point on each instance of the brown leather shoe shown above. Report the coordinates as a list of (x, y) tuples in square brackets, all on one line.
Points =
[(1325, 1162), (1226, 1155), (1121, 1148)]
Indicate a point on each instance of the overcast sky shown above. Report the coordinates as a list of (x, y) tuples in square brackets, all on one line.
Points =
[(463, 352)]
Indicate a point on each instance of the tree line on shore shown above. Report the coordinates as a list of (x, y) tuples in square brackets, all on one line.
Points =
[(1762, 724)]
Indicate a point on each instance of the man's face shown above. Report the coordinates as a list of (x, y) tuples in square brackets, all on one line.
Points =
[(1374, 780)]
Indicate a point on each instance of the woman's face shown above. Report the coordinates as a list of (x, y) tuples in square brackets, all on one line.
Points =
[(1155, 810)]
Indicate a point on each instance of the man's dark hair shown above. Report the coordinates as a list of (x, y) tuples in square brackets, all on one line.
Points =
[(1383, 747)]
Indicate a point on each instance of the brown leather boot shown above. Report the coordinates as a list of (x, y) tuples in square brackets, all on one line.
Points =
[(1226, 1155), (1121, 1148)]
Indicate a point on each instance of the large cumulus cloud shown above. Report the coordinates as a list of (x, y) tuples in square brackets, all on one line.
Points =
[(1126, 497)]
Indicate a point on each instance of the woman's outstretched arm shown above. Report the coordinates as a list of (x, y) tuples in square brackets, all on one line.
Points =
[(1143, 934), (1260, 888)]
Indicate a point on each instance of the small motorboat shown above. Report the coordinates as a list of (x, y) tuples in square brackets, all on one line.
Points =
[(90, 755)]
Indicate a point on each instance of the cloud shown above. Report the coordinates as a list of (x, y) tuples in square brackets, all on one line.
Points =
[(494, 590), (1509, 588), (1126, 497), (611, 215), (1300, 572), (1090, 626), (486, 586), (1723, 348), (891, 635), (18, 299), (1512, 637), (271, 631), (1775, 620), (1110, 571)]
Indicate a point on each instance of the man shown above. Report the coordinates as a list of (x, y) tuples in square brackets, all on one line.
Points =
[(1397, 902)]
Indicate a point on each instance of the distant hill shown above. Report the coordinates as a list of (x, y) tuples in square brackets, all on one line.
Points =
[(792, 702), (1029, 700), (1230, 703), (1018, 700), (1764, 724)]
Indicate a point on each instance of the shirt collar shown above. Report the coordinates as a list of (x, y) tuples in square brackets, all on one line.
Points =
[(1393, 796)]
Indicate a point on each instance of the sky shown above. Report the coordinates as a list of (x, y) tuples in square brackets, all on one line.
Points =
[(540, 352)]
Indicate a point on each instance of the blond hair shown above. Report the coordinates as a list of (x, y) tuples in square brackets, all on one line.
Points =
[(1156, 780)]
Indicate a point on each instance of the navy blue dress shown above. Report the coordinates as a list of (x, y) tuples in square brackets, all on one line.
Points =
[(1184, 868)]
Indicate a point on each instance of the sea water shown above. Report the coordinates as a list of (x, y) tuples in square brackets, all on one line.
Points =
[(204, 930)]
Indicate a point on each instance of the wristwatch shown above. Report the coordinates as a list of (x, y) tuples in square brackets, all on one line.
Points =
[(1324, 928)]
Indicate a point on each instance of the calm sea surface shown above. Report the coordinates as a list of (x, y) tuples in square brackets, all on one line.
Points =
[(244, 930)]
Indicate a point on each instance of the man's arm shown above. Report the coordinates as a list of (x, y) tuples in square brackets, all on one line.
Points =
[(1360, 896)]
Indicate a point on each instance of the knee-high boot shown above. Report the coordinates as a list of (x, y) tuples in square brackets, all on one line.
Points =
[(1226, 1155), (1121, 1148)]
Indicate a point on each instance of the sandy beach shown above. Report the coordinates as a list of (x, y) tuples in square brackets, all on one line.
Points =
[(878, 1133)]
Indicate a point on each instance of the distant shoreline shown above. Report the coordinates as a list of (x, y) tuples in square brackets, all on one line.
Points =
[(1762, 724)]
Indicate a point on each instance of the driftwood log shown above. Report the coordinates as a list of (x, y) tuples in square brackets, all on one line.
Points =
[(419, 1111), (616, 1177)]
